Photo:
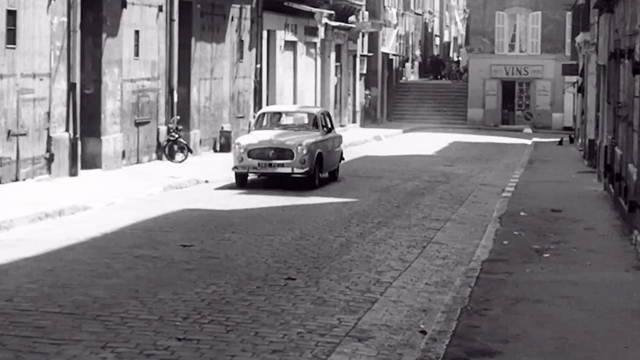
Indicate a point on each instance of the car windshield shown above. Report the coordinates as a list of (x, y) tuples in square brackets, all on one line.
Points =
[(286, 121)]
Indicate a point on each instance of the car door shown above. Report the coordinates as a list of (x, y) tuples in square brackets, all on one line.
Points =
[(333, 141)]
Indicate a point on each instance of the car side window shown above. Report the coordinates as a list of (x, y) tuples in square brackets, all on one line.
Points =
[(323, 122), (327, 124), (329, 121), (315, 124)]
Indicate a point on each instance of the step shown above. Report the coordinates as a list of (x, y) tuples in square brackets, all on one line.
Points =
[(424, 113), (434, 98), (428, 108), (431, 102), (435, 121), (404, 84), (459, 114), (432, 121), (430, 91), (434, 95)]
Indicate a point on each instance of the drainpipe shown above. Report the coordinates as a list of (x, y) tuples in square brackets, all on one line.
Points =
[(168, 61), (174, 55), (73, 74), (257, 89)]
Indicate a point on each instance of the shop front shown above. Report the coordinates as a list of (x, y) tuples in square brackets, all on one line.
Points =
[(508, 91), (291, 60)]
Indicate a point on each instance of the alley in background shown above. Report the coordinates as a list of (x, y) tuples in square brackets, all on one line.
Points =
[(355, 270)]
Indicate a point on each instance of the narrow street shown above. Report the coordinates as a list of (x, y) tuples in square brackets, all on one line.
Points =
[(358, 269)]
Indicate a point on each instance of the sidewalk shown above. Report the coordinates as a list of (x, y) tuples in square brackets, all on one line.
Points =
[(32, 201), (452, 124), (562, 280)]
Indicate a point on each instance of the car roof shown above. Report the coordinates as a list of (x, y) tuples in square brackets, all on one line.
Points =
[(292, 108)]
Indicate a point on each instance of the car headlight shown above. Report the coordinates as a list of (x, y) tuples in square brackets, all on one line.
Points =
[(302, 149), (240, 149)]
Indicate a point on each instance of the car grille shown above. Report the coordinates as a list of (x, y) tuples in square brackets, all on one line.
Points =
[(270, 153)]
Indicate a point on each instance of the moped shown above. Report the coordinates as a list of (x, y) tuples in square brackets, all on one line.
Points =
[(175, 148)]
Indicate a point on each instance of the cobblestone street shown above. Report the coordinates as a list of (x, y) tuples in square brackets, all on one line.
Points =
[(358, 269)]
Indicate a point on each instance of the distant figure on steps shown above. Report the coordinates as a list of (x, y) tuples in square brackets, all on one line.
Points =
[(437, 67)]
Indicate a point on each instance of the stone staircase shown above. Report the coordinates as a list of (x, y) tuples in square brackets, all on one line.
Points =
[(429, 102)]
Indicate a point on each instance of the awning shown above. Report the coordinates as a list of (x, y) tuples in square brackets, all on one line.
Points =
[(355, 3), (339, 25), (369, 26), (309, 8)]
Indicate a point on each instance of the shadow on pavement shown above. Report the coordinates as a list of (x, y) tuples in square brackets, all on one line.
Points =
[(444, 144), (243, 276)]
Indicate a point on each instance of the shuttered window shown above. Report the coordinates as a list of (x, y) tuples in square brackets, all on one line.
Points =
[(568, 31), (501, 33), (11, 40), (518, 33), (535, 30)]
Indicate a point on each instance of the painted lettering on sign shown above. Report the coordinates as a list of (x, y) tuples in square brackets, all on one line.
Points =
[(517, 71)]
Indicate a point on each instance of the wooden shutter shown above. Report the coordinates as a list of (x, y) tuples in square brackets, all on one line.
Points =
[(535, 30), (501, 33)]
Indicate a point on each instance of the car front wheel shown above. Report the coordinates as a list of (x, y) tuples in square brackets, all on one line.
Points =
[(241, 180), (314, 178), (334, 174)]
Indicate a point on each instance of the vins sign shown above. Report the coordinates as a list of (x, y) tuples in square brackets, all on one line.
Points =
[(517, 71)]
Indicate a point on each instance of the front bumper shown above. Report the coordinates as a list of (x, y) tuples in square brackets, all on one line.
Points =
[(288, 169)]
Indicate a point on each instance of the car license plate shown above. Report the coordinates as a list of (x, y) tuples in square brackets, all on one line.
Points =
[(270, 165)]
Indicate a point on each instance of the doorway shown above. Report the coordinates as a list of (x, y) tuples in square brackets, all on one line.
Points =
[(185, 32), (516, 102), (337, 108), (288, 90), (508, 103)]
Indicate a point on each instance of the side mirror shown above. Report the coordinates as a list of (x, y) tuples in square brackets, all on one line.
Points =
[(329, 130)]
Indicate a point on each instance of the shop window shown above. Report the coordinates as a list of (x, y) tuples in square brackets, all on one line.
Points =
[(11, 30), (523, 96), (518, 31)]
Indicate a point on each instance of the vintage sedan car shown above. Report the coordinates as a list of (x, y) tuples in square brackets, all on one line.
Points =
[(289, 140)]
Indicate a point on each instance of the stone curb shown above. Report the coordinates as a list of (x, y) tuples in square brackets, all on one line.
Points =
[(436, 342), (68, 210), (485, 128)]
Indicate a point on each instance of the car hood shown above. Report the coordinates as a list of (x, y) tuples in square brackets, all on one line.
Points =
[(284, 137)]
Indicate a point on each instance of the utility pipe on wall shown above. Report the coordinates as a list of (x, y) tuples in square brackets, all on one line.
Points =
[(258, 24), (74, 90), (172, 57)]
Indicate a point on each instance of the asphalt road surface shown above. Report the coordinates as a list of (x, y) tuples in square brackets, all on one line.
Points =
[(358, 269)]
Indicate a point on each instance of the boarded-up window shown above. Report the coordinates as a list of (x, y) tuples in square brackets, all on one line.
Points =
[(12, 28)]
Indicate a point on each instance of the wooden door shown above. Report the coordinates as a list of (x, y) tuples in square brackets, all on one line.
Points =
[(25, 81), (287, 81), (141, 85), (310, 74)]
